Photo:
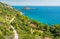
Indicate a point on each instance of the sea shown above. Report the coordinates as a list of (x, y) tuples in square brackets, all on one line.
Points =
[(44, 14)]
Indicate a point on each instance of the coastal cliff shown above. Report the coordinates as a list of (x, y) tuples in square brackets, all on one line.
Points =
[(12, 20)]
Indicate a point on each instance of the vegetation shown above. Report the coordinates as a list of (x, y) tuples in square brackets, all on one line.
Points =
[(25, 27)]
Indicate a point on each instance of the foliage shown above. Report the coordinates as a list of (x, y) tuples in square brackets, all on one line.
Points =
[(22, 25)]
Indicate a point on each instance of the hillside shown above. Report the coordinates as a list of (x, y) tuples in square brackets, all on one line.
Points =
[(14, 25)]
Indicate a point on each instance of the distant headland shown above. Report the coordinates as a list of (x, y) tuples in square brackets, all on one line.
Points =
[(27, 8)]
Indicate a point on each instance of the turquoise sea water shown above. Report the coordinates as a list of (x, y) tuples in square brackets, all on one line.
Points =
[(44, 14)]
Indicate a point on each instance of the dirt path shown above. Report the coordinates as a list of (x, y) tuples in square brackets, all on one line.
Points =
[(14, 30)]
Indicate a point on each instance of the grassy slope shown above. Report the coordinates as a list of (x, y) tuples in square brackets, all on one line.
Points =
[(22, 24)]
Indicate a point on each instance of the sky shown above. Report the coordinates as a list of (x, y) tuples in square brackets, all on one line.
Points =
[(32, 2)]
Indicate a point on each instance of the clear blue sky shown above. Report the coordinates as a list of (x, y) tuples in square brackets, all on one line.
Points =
[(33, 2)]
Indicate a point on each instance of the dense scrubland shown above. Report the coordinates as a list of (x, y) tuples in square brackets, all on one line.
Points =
[(25, 27)]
